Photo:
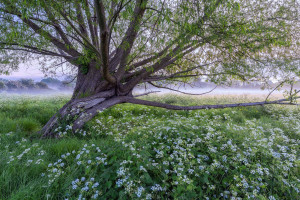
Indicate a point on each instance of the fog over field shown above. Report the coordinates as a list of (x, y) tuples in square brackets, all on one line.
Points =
[(198, 89), (194, 91)]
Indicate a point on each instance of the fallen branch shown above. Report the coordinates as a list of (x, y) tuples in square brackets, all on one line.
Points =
[(174, 107)]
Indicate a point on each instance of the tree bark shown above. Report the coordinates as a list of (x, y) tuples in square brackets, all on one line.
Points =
[(91, 94), (89, 83), (78, 111)]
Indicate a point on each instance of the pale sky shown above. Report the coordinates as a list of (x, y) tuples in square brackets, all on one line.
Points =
[(29, 71), (24, 71)]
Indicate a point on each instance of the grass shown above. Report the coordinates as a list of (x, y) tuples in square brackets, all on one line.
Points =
[(139, 152)]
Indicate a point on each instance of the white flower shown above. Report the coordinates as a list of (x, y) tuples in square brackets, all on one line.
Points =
[(139, 191), (271, 198)]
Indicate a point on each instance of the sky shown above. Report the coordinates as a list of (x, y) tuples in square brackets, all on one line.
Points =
[(25, 72), (28, 72)]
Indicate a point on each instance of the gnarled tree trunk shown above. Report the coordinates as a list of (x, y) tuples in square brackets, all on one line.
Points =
[(91, 95)]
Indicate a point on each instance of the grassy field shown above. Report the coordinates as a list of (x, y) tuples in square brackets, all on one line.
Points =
[(139, 152)]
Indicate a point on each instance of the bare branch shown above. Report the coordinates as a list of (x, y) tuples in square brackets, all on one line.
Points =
[(34, 49), (147, 93), (279, 85)]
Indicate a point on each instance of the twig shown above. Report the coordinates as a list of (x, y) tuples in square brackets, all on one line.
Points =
[(147, 93), (181, 91)]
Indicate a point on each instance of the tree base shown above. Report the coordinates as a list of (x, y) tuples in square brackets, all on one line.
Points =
[(80, 111)]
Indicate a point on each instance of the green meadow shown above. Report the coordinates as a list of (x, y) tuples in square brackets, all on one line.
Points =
[(140, 152)]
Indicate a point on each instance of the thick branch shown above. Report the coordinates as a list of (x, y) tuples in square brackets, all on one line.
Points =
[(161, 64), (80, 19), (104, 40), (130, 35)]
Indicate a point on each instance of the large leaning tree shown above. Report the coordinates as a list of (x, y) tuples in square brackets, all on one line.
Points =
[(115, 45)]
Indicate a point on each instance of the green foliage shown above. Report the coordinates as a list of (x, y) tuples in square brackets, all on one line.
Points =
[(241, 34), (84, 69), (138, 152)]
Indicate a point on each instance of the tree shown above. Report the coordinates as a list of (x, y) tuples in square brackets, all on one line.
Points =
[(15, 85), (114, 45), (2, 86), (42, 85), (51, 81), (28, 83)]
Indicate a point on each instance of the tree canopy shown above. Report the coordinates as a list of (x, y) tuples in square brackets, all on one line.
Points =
[(164, 38)]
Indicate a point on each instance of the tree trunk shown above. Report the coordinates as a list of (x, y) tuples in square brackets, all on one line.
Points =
[(89, 83), (91, 95), (79, 111)]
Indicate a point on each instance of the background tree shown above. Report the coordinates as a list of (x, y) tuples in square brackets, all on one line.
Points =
[(2, 86), (28, 83), (117, 44), (42, 85)]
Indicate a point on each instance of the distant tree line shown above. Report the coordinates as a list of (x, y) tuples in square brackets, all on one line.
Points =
[(31, 85)]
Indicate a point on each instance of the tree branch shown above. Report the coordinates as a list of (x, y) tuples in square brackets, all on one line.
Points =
[(163, 87), (35, 49), (174, 107), (44, 33), (90, 23), (104, 39), (147, 93), (130, 35)]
